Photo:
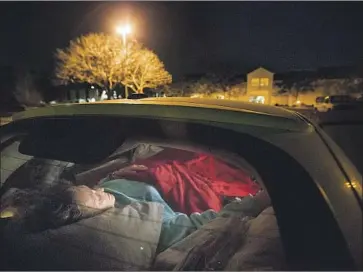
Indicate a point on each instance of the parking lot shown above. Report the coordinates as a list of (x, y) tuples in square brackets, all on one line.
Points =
[(345, 128)]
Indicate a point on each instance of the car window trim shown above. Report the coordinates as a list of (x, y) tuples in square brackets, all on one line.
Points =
[(338, 162)]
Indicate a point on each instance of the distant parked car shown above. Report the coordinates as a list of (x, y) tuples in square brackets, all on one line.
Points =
[(319, 101), (333, 102)]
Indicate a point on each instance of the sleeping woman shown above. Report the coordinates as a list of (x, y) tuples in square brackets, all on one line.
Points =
[(175, 225), (65, 204), (127, 207)]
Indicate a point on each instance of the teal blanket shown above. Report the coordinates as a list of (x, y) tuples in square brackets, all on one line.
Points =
[(176, 226)]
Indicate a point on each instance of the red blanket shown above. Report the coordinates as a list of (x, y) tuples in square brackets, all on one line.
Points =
[(194, 182)]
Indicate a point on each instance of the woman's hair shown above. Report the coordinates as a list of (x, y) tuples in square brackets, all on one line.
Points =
[(39, 210)]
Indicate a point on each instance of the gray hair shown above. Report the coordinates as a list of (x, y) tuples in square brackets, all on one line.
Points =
[(38, 210)]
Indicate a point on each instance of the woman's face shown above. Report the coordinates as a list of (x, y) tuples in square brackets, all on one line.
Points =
[(96, 199)]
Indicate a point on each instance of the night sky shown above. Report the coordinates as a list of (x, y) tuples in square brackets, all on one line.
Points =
[(193, 37)]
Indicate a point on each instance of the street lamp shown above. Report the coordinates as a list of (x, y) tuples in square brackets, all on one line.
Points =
[(124, 30)]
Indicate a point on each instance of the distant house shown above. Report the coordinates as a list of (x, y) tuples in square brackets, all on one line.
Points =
[(266, 87), (260, 86)]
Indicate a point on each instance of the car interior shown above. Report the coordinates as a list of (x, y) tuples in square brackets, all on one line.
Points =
[(190, 178)]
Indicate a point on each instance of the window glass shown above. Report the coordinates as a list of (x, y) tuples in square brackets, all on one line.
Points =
[(151, 174), (11, 160), (340, 98), (320, 99), (121, 193), (264, 82), (255, 82), (26, 171)]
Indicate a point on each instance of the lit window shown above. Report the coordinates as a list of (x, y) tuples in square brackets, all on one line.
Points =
[(255, 82), (264, 82)]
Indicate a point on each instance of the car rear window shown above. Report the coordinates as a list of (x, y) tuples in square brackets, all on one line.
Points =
[(319, 99), (190, 183), (340, 99)]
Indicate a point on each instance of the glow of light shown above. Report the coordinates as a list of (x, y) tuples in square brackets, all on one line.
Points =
[(354, 185), (124, 30), (194, 96), (351, 185)]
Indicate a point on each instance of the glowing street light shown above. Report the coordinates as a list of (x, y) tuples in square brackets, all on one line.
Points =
[(124, 30)]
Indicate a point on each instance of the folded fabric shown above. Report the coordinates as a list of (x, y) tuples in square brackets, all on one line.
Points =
[(213, 253), (182, 253), (195, 183), (262, 249), (247, 206), (179, 226), (234, 243)]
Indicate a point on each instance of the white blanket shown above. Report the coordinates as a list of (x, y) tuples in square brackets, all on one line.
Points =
[(262, 249), (250, 245), (119, 239)]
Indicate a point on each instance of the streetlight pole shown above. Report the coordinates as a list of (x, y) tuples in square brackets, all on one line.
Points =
[(124, 30), (125, 46)]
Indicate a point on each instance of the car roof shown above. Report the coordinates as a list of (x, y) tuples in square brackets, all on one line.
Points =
[(196, 109)]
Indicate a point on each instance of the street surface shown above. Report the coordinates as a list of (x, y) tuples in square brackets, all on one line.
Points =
[(345, 127)]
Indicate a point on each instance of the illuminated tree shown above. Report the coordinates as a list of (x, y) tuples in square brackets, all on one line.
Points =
[(103, 60), (204, 87), (236, 90), (297, 85), (341, 86), (144, 70), (178, 89), (95, 59)]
